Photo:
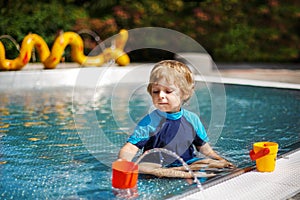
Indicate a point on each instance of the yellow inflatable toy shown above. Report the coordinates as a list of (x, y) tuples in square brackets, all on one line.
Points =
[(51, 59)]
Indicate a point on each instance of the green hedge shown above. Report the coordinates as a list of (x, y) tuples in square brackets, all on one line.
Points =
[(230, 30)]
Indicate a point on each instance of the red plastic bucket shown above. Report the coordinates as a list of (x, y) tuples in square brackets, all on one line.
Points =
[(124, 174)]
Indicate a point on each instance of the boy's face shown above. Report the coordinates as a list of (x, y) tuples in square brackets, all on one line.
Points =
[(166, 97)]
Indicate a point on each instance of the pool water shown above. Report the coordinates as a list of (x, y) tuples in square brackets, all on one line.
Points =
[(54, 145)]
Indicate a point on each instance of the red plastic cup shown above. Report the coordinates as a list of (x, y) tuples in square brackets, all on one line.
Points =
[(124, 174)]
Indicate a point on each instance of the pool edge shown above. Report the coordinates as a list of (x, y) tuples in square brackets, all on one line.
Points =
[(247, 82), (234, 174)]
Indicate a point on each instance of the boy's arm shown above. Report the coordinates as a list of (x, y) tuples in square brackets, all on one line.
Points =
[(209, 152), (157, 170), (128, 151)]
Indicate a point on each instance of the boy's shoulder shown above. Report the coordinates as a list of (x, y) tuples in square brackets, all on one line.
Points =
[(191, 117), (188, 113), (150, 118)]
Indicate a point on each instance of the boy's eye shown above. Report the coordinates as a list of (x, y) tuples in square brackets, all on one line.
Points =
[(157, 91)]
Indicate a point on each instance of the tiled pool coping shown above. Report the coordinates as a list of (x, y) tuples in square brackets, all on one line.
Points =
[(282, 183)]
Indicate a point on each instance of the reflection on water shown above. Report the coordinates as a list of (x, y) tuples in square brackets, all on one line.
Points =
[(55, 144)]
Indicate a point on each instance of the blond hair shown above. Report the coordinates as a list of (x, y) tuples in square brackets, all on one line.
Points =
[(174, 72)]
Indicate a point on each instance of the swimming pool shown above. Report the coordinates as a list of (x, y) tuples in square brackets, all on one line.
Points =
[(52, 144)]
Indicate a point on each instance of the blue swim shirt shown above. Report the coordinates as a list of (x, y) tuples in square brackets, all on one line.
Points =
[(177, 132)]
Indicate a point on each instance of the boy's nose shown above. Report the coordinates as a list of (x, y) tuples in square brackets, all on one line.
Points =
[(162, 94)]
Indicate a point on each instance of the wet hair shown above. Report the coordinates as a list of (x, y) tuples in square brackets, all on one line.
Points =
[(174, 72)]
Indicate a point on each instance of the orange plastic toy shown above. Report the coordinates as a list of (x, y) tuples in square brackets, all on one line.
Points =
[(124, 174), (51, 59)]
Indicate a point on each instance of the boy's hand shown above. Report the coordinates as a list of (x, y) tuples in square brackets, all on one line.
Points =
[(227, 164), (222, 163), (204, 174)]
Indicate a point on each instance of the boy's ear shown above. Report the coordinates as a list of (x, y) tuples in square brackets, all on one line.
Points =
[(185, 97)]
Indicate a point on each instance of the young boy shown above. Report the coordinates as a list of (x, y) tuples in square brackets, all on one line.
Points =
[(171, 127)]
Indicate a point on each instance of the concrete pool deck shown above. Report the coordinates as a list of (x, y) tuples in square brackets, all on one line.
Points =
[(283, 181), (275, 75)]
